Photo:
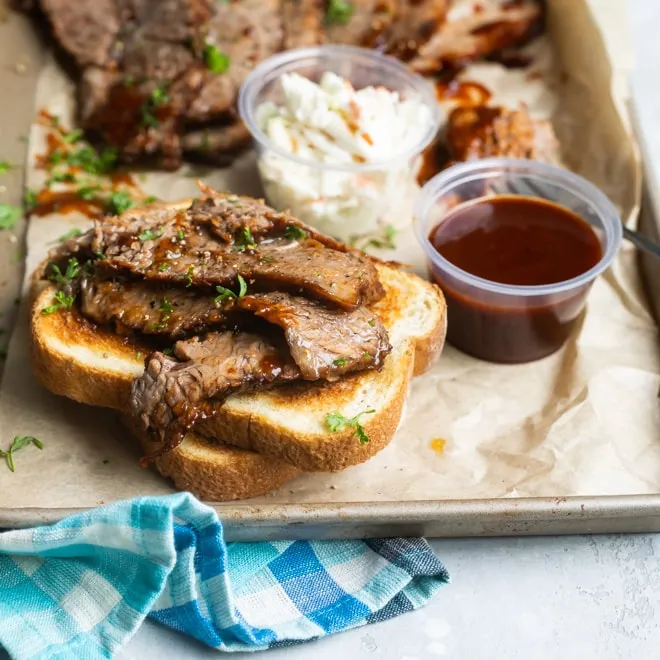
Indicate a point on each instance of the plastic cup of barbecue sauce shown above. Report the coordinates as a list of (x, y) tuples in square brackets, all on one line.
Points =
[(515, 246)]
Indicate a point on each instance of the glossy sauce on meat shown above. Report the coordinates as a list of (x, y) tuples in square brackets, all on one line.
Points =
[(517, 241), (462, 94)]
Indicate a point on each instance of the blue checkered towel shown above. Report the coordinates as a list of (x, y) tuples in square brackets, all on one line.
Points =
[(82, 587)]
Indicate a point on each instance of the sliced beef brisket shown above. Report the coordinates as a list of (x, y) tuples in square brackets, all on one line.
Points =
[(172, 395), (186, 245), (324, 343), (151, 310)]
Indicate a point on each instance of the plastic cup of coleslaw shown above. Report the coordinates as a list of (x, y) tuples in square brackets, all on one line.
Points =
[(347, 168)]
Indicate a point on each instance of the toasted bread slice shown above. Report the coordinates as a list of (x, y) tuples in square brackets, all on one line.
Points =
[(74, 359), (213, 471)]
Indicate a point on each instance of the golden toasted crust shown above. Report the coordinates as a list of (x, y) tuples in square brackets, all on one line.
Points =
[(214, 472), (429, 347), (69, 356)]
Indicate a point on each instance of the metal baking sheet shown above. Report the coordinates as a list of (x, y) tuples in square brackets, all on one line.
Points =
[(245, 521)]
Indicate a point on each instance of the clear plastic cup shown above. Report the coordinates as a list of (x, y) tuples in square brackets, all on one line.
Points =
[(501, 322), (341, 200)]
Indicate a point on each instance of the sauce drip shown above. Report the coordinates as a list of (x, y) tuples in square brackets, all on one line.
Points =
[(517, 241), (64, 202)]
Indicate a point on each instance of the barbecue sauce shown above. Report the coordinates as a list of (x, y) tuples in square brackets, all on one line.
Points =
[(516, 241)]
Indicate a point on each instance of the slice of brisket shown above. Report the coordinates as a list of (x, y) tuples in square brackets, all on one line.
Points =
[(324, 343), (148, 309), (416, 22), (369, 21), (302, 21), (172, 395), (86, 29), (246, 33), (176, 246), (497, 26)]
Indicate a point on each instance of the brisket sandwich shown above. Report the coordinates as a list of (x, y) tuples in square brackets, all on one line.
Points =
[(240, 345)]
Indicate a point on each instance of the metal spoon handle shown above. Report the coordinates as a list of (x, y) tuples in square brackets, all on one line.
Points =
[(640, 241)]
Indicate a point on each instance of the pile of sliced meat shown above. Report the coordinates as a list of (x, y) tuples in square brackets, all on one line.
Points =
[(147, 86), (237, 296)]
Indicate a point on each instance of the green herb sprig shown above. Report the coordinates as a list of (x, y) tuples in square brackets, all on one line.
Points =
[(157, 98), (295, 233), (383, 242), (215, 59), (60, 301), (9, 215), (335, 422), (150, 234), (19, 442), (245, 241), (120, 201), (227, 294), (71, 272), (339, 11)]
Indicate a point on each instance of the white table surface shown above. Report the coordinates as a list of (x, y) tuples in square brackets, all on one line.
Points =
[(573, 598), (568, 598)]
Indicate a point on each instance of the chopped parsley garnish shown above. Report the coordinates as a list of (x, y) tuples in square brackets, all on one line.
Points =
[(150, 234), (215, 59), (30, 199), (295, 233), (335, 421), (157, 98), (18, 443), (60, 301), (372, 323), (181, 235), (245, 241), (61, 177), (339, 362), (163, 267), (72, 233), (384, 242), (119, 201), (227, 294), (72, 271), (167, 351), (165, 308), (9, 216), (138, 355), (339, 11), (73, 136), (5, 166), (150, 200), (189, 276), (86, 158), (88, 193)]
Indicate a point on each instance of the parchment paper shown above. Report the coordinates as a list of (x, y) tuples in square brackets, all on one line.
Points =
[(582, 422)]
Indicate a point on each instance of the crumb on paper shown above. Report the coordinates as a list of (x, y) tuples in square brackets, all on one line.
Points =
[(438, 445)]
